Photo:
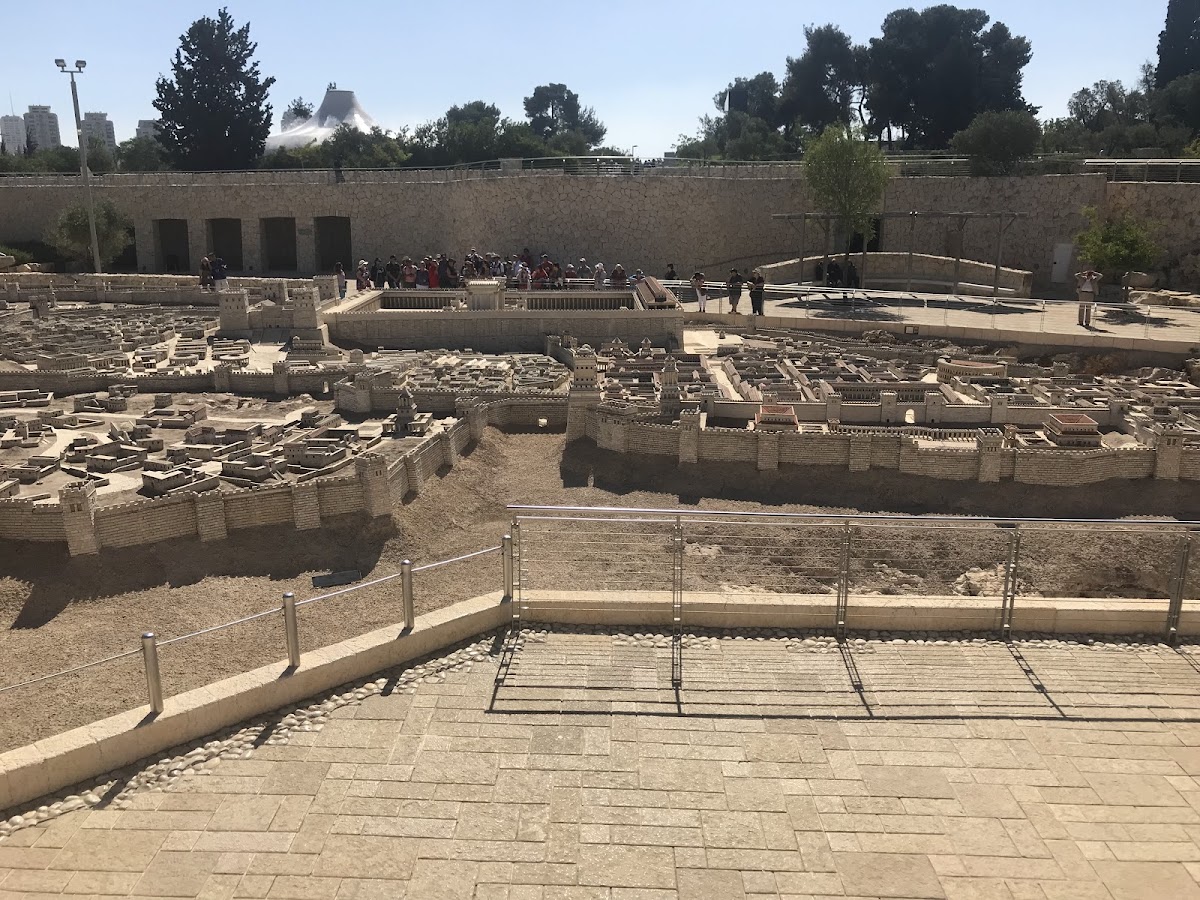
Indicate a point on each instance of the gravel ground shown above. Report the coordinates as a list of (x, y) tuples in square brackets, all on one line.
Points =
[(57, 611)]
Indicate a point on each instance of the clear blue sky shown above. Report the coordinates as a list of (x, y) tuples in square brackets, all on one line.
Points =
[(649, 68)]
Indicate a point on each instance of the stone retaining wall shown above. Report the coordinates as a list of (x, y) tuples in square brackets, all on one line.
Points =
[(640, 221)]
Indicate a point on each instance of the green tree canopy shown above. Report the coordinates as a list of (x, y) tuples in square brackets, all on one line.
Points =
[(214, 109), (141, 154), (846, 178), (735, 135), (554, 110), (756, 97), (932, 72), (346, 148), (822, 84), (1178, 42), (1179, 103), (70, 235), (1117, 245), (297, 109), (997, 142)]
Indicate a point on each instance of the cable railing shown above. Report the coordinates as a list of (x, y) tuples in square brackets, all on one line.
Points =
[(842, 570), (180, 670), (901, 164), (1160, 170)]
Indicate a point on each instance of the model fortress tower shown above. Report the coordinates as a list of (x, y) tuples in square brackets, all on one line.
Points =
[(585, 392)]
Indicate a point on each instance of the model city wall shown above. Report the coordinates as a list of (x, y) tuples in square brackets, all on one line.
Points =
[(86, 527), (983, 458)]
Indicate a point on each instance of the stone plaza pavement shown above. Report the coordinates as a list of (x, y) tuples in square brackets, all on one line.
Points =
[(1053, 321), (787, 766)]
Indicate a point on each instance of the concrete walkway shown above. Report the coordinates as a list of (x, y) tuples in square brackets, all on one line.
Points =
[(1034, 321), (787, 768)]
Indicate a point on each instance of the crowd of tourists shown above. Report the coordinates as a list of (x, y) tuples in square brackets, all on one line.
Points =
[(523, 272)]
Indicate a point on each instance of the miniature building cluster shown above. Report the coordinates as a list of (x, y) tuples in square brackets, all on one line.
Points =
[(119, 339), (833, 398), (278, 401)]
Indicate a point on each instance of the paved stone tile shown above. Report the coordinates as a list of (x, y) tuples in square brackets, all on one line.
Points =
[(888, 875), (785, 786), (176, 874), (614, 866)]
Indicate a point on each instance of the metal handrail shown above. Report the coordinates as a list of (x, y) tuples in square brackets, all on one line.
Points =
[(97, 662), (522, 511), (245, 619)]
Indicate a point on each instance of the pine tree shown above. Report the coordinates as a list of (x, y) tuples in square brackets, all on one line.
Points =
[(1178, 42), (214, 109)]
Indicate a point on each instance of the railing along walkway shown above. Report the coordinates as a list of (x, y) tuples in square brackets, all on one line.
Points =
[(827, 563)]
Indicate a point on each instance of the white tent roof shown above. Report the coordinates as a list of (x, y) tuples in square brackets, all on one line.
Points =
[(338, 108)]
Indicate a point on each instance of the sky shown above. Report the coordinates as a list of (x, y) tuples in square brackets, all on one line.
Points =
[(649, 69)]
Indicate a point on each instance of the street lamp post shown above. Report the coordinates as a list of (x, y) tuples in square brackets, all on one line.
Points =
[(83, 166)]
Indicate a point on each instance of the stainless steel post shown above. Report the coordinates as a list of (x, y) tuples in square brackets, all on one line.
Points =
[(507, 553), (912, 237), (1000, 229), (292, 628), (958, 249), (803, 229), (406, 593), (153, 677)]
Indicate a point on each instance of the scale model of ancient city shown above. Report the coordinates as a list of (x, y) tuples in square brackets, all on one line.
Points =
[(601, 527)]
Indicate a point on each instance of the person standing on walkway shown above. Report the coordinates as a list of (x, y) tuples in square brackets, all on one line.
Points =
[(734, 284), (758, 287), (219, 273), (700, 289), (393, 272), (206, 279), (1087, 288), (340, 271)]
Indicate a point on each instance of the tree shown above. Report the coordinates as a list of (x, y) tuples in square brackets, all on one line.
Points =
[(214, 109), (735, 135), (932, 72), (821, 85), (554, 110), (141, 154), (1179, 103), (1117, 245), (1065, 136), (846, 178), (1178, 42), (70, 235), (756, 97), (298, 109), (99, 158), (997, 142)]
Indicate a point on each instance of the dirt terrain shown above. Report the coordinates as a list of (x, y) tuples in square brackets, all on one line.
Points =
[(57, 612)]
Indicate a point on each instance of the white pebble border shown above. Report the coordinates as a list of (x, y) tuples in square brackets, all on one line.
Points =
[(113, 789)]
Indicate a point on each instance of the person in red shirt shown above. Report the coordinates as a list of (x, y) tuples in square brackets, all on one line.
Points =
[(432, 268)]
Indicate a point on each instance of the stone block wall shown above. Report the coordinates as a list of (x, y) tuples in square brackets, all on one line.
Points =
[(494, 331), (861, 451), (711, 221)]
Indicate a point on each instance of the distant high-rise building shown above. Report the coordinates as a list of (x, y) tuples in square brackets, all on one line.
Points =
[(146, 128), (96, 125), (12, 134), (41, 127)]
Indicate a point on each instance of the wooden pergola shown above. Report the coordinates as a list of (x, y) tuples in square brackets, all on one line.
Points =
[(1004, 221)]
